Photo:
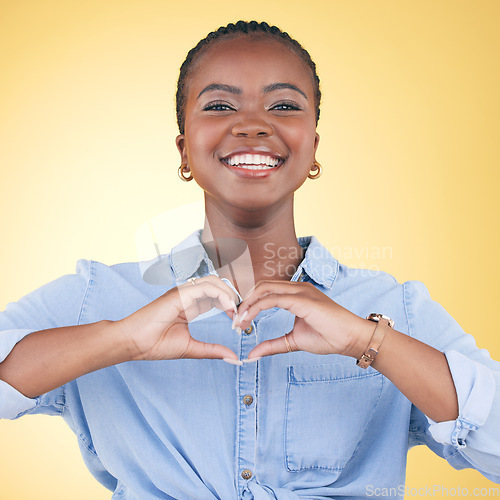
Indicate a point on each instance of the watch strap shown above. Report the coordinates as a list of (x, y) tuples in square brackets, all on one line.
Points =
[(373, 347)]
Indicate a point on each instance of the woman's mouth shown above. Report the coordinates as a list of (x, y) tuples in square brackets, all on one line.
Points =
[(252, 162)]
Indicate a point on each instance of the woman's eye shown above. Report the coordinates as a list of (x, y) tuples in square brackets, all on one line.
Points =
[(286, 106), (217, 106)]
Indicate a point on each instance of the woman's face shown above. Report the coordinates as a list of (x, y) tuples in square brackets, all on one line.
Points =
[(250, 134)]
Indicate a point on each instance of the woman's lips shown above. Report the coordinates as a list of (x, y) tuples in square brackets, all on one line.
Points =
[(252, 163), (252, 170)]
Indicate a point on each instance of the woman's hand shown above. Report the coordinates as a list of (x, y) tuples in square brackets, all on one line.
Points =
[(324, 327), (321, 325), (159, 330)]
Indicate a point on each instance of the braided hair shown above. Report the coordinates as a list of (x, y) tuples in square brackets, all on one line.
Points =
[(241, 28)]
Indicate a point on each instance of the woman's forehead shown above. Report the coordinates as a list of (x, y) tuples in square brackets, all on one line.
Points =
[(252, 55)]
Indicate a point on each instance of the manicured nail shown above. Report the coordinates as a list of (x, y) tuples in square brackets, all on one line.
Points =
[(232, 361), (243, 316), (235, 309), (235, 317), (238, 330), (251, 360)]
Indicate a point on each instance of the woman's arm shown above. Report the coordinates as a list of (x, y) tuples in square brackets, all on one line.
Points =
[(418, 370), (453, 385), (322, 326), (47, 359)]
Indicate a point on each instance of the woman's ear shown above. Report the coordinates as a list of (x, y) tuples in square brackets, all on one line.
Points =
[(316, 142), (180, 142)]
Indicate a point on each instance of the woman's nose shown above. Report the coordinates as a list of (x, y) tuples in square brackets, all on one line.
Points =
[(252, 126)]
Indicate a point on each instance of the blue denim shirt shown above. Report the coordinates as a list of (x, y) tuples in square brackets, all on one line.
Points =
[(290, 426)]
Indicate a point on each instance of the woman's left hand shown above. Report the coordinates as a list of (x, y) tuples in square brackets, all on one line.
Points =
[(321, 325), (324, 327)]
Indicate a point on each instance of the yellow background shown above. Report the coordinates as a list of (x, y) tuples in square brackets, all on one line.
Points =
[(409, 143)]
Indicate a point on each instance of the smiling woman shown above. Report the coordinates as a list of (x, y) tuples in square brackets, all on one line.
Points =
[(264, 109), (331, 372)]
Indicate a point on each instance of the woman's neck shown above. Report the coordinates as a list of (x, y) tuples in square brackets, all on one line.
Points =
[(251, 247)]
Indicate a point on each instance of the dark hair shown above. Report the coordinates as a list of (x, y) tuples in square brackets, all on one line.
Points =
[(241, 28)]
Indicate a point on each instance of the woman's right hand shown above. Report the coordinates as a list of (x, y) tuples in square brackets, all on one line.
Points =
[(159, 330)]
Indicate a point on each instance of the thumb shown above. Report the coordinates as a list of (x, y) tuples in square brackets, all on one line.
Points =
[(205, 350)]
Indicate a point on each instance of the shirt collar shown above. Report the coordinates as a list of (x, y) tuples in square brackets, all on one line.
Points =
[(319, 264), (189, 258)]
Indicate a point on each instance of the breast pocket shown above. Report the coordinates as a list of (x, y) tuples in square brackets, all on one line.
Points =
[(328, 409)]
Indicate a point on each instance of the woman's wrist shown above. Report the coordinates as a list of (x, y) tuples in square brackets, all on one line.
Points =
[(125, 348), (360, 338)]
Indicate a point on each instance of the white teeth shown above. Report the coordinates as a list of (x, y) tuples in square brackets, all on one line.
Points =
[(255, 167), (253, 162)]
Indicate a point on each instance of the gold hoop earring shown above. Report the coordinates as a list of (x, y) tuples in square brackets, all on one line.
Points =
[(182, 170), (316, 168)]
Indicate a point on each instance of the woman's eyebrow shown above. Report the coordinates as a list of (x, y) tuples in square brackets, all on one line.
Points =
[(221, 86), (236, 90), (279, 85)]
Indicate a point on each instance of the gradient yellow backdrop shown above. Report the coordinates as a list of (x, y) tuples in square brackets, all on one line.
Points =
[(409, 143)]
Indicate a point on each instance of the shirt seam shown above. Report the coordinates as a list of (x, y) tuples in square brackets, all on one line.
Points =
[(336, 379), (62, 406), (467, 424), (90, 282), (81, 312), (406, 307), (455, 453), (81, 439)]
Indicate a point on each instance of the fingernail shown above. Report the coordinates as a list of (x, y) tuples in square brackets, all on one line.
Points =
[(238, 330), (232, 361), (239, 318), (251, 360), (235, 309), (235, 317)]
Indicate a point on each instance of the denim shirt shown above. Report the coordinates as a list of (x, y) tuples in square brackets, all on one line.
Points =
[(289, 426)]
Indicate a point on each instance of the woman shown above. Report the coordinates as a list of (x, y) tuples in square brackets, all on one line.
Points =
[(133, 367)]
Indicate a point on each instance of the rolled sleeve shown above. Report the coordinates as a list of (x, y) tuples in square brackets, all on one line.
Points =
[(56, 304), (473, 439), (476, 387), (12, 403)]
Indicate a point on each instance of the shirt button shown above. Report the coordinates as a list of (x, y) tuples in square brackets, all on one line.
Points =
[(302, 277), (248, 400), (246, 474), (248, 330)]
